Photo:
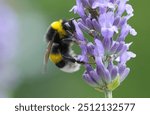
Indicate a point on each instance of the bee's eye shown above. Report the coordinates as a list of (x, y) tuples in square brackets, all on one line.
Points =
[(67, 25)]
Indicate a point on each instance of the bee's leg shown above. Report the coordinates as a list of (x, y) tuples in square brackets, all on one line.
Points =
[(73, 60), (69, 40)]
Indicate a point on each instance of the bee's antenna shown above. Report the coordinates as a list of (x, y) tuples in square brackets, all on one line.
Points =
[(75, 18)]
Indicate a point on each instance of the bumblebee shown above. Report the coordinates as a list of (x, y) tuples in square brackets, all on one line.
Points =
[(59, 37)]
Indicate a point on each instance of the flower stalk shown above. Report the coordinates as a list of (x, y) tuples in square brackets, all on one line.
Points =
[(108, 94)]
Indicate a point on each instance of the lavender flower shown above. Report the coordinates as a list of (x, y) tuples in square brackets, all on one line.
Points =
[(8, 43), (107, 22)]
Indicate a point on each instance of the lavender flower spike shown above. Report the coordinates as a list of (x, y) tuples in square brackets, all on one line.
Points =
[(108, 22)]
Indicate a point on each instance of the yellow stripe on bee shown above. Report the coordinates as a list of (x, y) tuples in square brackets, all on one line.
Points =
[(57, 25), (55, 58)]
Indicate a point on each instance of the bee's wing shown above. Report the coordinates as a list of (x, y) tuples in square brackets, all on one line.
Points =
[(48, 51)]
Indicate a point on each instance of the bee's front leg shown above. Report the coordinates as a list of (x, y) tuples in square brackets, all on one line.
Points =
[(69, 40)]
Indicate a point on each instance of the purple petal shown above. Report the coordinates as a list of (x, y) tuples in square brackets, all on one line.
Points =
[(124, 74), (121, 7), (107, 44), (102, 9), (127, 56), (99, 49), (79, 34), (120, 47), (88, 68), (107, 32), (84, 49), (89, 80), (90, 48), (124, 49), (124, 32), (102, 4), (116, 21), (132, 31), (96, 25), (74, 9), (129, 9), (110, 66), (91, 2), (112, 1), (102, 71), (92, 74), (89, 23), (114, 47), (96, 4), (85, 3), (114, 73), (95, 76), (123, 21), (79, 9), (84, 56), (83, 27), (107, 19), (122, 67)]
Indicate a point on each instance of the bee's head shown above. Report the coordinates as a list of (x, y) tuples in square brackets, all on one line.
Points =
[(69, 26)]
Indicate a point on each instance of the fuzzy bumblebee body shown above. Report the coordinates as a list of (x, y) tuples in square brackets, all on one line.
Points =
[(59, 38)]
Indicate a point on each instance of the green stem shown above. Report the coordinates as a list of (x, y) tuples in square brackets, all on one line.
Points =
[(108, 94)]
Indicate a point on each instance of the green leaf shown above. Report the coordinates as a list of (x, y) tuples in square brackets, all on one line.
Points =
[(114, 84), (98, 89)]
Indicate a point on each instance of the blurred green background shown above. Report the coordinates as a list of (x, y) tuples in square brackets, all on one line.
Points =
[(34, 16)]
